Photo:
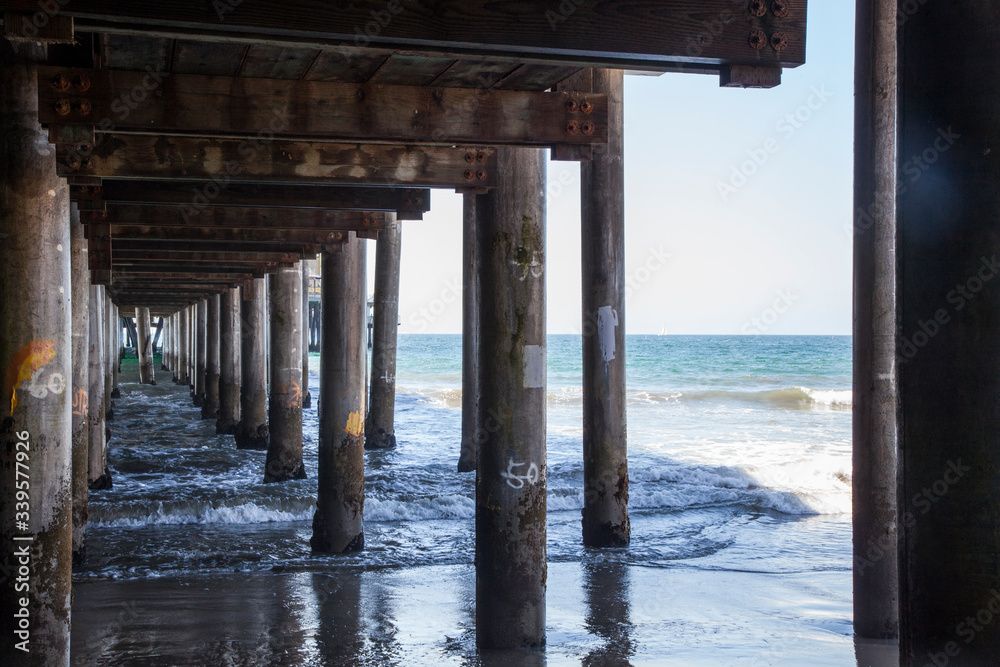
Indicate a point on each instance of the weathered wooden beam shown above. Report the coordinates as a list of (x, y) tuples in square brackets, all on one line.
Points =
[(256, 269), (135, 256), (236, 217), (181, 247), (227, 161), (224, 235), (611, 33), (179, 276), (266, 108), (408, 203)]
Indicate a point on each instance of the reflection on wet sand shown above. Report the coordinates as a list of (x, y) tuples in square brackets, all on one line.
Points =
[(876, 652), (607, 592)]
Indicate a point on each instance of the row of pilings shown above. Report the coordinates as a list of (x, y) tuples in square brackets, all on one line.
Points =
[(63, 353)]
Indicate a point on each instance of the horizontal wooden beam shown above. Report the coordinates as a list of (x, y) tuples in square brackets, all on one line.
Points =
[(186, 268), (127, 257), (225, 161), (262, 109), (235, 217), (119, 246), (605, 33), (226, 235), (408, 203), (167, 276)]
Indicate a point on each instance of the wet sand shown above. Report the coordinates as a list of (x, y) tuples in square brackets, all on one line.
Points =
[(598, 614)]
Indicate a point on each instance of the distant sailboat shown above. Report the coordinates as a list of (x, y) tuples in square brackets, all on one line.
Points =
[(663, 331)]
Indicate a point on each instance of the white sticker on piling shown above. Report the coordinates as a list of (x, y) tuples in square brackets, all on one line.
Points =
[(607, 321), (534, 366)]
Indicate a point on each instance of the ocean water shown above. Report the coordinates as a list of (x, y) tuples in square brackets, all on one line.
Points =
[(740, 493)]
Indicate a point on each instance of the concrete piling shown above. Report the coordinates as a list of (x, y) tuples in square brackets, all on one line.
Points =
[(470, 338), (306, 395), (108, 322), (81, 380), (876, 575), (284, 451), (605, 449), (98, 476), (201, 343), (36, 346), (145, 346), (252, 431), (229, 362), (210, 409), (379, 429), (511, 468), (338, 525), (948, 332), (182, 346)]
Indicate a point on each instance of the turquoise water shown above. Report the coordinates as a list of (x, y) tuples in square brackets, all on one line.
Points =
[(739, 462)]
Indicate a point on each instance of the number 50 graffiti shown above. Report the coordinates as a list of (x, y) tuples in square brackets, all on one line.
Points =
[(517, 481)]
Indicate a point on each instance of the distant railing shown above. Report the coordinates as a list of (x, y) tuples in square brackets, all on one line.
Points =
[(315, 286)]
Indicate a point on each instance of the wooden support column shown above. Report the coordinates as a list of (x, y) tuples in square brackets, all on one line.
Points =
[(36, 350), (229, 362), (192, 343), (510, 477), (338, 525), (145, 349), (182, 346), (306, 396), (948, 333), (81, 380), (252, 431), (165, 345), (284, 414), (210, 408), (201, 342), (605, 449), (876, 575), (379, 429), (470, 339), (98, 477), (110, 322), (172, 337)]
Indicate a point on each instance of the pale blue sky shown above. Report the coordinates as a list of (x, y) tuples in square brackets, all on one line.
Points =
[(774, 243)]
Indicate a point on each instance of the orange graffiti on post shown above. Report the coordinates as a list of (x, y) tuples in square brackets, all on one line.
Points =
[(28, 361), (80, 402)]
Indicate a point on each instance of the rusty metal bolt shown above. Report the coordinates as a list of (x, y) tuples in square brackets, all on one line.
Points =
[(73, 164), (470, 158), (481, 174), (408, 202), (469, 175), (779, 41), (588, 128), (88, 163), (96, 189), (587, 106), (758, 40), (480, 156), (571, 106), (63, 107), (81, 83), (757, 8), (60, 82), (780, 8), (572, 127), (439, 94), (420, 200), (83, 107), (102, 214)]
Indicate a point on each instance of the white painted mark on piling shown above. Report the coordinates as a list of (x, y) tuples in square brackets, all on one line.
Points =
[(607, 321), (517, 481), (534, 366), (59, 247)]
